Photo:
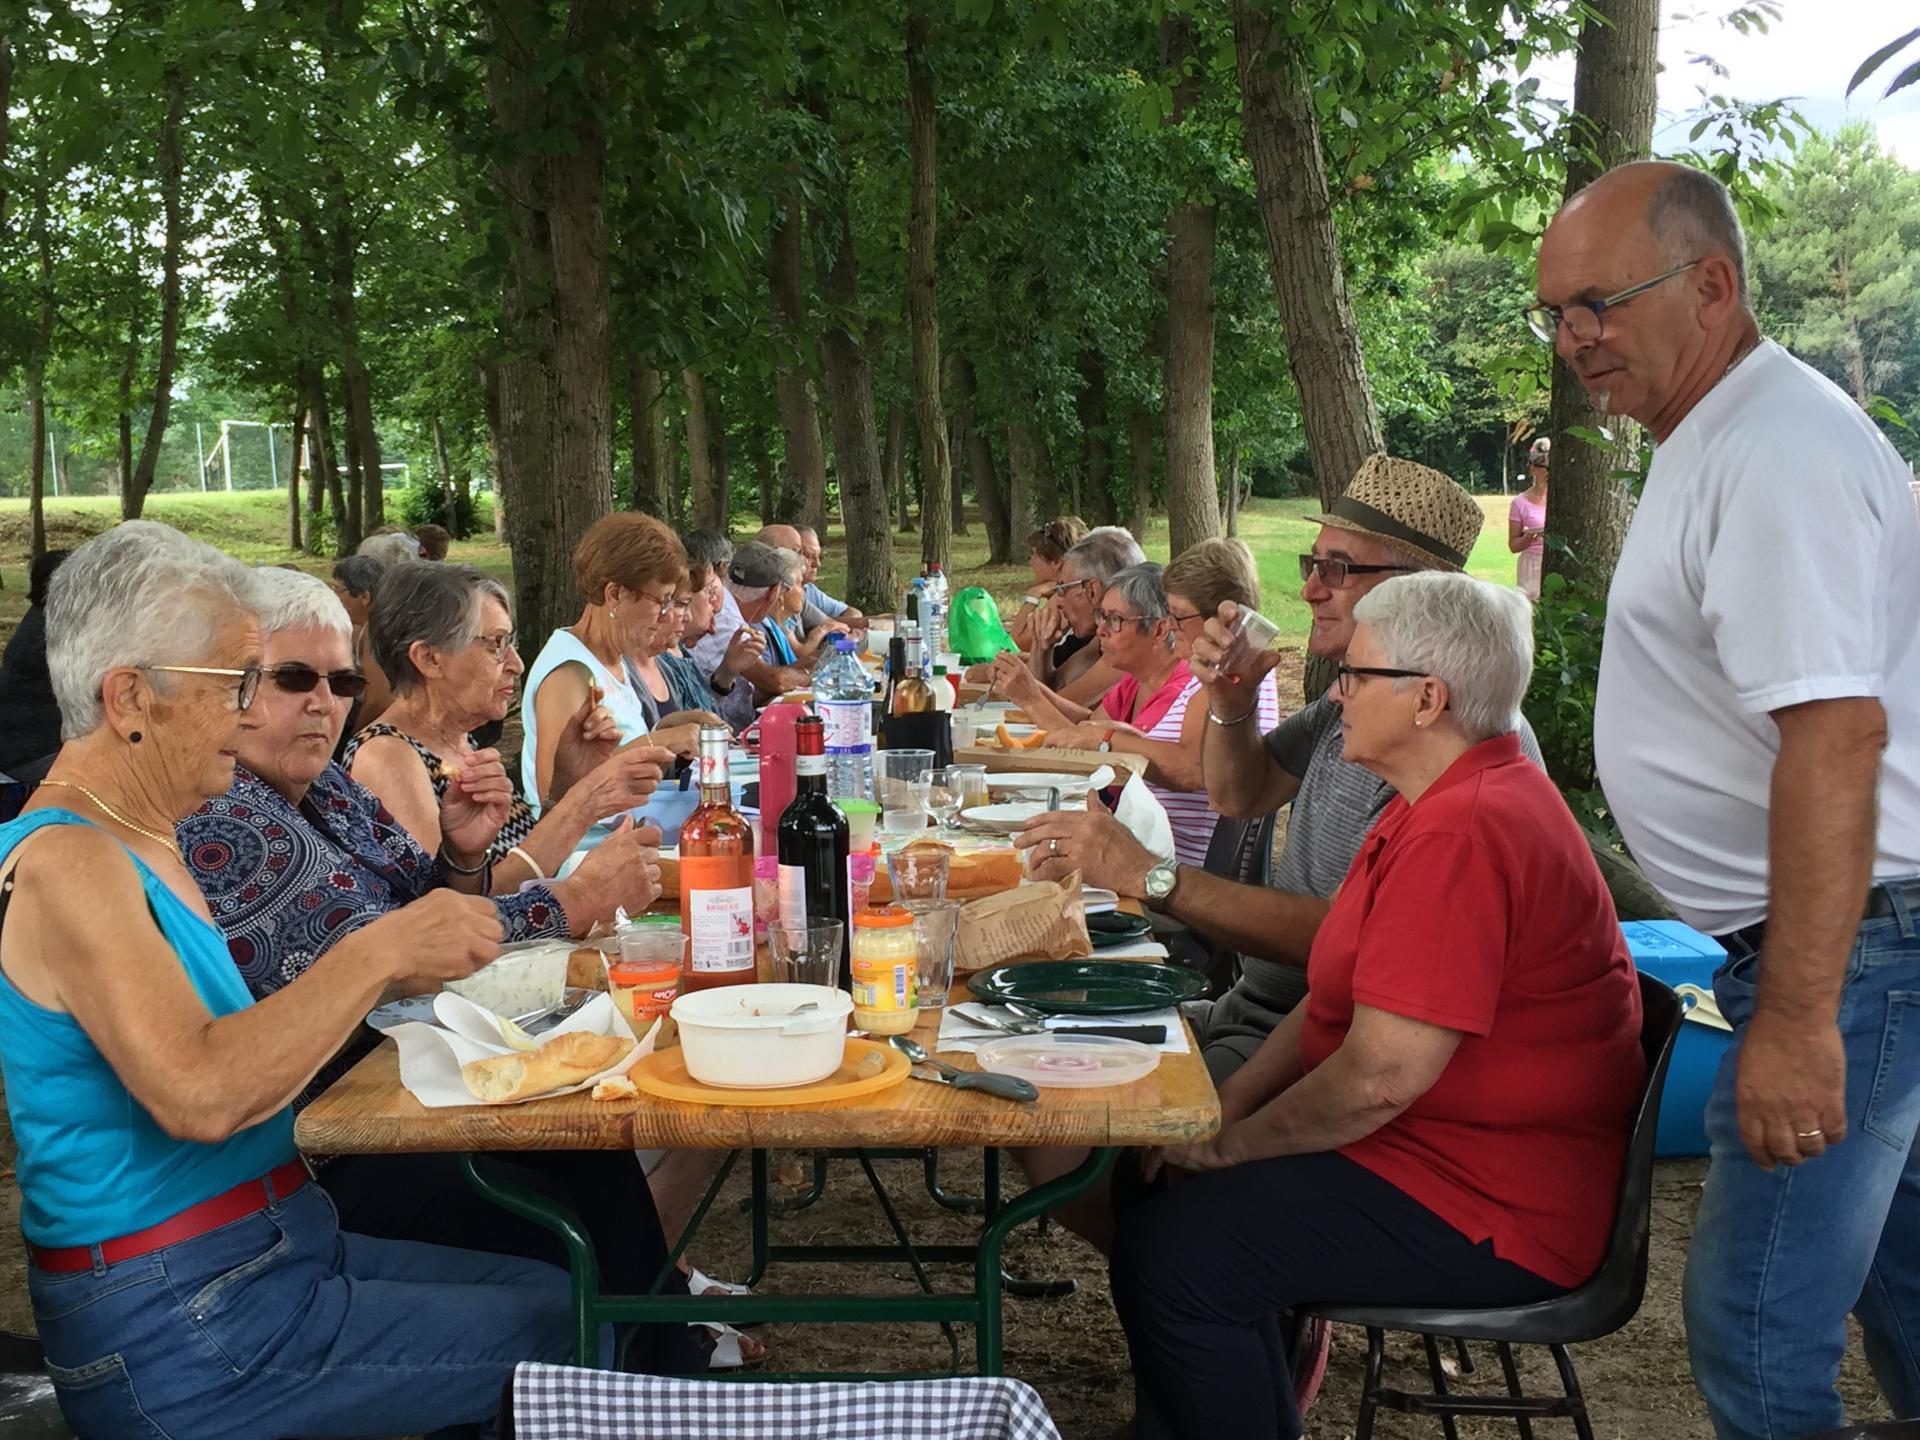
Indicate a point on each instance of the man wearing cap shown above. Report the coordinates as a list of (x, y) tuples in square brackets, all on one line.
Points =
[(1527, 520), (1757, 730), (752, 577), (1395, 517)]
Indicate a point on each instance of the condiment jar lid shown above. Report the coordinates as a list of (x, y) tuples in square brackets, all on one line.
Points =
[(884, 917)]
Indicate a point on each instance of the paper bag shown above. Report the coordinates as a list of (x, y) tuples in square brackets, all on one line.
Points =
[(1041, 920)]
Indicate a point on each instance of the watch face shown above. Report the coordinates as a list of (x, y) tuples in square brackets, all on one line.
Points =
[(1160, 882)]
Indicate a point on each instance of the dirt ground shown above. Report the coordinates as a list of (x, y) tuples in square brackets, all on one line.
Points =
[(1072, 1351)]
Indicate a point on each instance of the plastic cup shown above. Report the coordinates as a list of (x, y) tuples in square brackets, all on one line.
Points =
[(806, 952), (936, 926), (919, 872), (970, 781), (863, 818), (901, 781), (1256, 629)]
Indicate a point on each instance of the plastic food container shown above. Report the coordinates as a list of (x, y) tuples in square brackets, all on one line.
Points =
[(886, 972), (519, 983), (756, 1037), (1068, 1061)]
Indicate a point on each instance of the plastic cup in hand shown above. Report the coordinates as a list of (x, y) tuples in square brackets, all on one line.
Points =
[(806, 952), (919, 872), (901, 781), (936, 926), (1257, 630)]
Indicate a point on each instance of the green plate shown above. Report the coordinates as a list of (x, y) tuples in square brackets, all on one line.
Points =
[(1116, 928), (1088, 987)]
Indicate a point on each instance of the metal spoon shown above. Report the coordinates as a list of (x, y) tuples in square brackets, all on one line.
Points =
[(1007, 1087)]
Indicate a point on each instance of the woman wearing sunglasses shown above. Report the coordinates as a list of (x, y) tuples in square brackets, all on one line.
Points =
[(297, 857)]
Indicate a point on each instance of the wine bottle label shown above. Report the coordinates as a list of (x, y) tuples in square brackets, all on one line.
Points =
[(847, 724), (793, 893), (809, 765), (720, 923)]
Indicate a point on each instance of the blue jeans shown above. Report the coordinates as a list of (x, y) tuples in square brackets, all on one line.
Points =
[(1779, 1257), (279, 1325)]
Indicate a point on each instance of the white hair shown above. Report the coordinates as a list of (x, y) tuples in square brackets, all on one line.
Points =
[(293, 600), (139, 594), (394, 547), (1691, 215), (1475, 636), (1143, 587), (1105, 552)]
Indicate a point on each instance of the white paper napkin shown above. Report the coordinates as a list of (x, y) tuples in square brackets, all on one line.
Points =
[(431, 1055), (959, 1033), (1142, 813)]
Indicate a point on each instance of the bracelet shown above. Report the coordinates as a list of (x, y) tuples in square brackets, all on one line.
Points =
[(454, 867), (1240, 719), (528, 860)]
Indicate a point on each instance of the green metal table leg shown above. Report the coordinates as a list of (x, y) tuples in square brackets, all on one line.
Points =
[(990, 1335), (581, 1261), (758, 1219)]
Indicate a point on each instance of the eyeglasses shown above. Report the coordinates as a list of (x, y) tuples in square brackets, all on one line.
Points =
[(1106, 620), (298, 679), (661, 603), (1180, 622), (1585, 321), (497, 645), (249, 679), (1343, 676), (1334, 570), (1069, 585)]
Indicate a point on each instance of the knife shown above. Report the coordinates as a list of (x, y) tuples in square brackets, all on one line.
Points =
[(1143, 1034)]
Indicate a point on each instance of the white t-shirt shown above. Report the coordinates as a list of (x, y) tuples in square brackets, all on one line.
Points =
[(1774, 560), (563, 647)]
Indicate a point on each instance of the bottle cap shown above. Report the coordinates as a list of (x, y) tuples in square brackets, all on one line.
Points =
[(884, 917)]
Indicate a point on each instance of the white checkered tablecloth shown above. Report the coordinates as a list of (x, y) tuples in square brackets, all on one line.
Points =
[(559, 1402)]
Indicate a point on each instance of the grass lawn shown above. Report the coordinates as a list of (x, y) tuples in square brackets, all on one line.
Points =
[(251, 526)]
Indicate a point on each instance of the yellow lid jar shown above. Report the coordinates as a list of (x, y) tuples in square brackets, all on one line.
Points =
[(886, 972)]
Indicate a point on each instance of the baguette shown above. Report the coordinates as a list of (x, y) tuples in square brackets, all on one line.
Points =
[(562, 1061)]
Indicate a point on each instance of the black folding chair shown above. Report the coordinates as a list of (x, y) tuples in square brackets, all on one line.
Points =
[(1597, 1308), (28, 1408)]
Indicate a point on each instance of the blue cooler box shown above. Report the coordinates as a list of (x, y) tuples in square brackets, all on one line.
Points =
[(1681, 955)]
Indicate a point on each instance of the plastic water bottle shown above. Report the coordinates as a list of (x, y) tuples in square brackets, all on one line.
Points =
[(934, 626), (843, 695)]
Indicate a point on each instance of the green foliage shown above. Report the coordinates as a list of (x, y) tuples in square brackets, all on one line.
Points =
[(1569, 622), (425, 501)]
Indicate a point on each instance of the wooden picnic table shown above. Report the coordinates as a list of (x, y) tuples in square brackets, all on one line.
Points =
[(368, 1112)]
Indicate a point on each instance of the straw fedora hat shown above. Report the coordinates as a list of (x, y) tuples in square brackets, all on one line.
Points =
[(1411, 506)]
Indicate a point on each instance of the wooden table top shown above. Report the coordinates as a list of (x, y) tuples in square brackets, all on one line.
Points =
[(367, 1112)]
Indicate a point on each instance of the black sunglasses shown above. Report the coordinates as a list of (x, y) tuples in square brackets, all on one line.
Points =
[(300, 679), (1334, 570)]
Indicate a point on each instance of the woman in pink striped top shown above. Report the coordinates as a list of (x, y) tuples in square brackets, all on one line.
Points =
[(1148, 618)]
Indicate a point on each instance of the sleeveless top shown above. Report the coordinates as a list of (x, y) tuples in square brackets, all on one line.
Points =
[(1528, 563), (564, 647), (520, 817), (93, 1164)]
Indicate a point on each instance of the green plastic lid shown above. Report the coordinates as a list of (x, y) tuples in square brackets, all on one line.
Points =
[(850, 805)]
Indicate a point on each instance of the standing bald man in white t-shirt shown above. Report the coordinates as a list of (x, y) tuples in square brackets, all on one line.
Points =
[(1758, 735)]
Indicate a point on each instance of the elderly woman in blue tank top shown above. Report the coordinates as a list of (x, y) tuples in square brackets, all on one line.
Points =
[(186, 1278)]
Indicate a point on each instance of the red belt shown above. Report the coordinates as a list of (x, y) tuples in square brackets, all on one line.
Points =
[(249, 1197)]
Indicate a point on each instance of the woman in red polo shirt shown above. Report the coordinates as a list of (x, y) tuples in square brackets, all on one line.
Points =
[(1443, 1122)]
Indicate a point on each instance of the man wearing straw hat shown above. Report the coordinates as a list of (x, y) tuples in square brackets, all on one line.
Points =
[(1395, 517)]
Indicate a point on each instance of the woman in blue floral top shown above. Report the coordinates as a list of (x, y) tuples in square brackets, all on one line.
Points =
[(297, 855)]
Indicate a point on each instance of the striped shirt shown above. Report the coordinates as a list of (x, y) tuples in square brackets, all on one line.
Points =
[(1189, 811)]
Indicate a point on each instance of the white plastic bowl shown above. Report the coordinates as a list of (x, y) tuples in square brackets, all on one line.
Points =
[(520, 982), (747, 1037)]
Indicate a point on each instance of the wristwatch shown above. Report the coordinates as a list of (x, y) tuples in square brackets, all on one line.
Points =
[(1160, 882)]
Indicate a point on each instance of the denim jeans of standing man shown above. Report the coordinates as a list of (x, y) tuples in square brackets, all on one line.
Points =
[(1780, 1256), (278, 1324)]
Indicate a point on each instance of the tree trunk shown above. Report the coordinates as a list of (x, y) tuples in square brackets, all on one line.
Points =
[(445, 468), (645, 433), (1613, 102), (1141, 436), (295, 540), (956, 437), (133, 497), (986, 482), (805, 459), (893, 465), (129, 365), (1092, 407), (676, 515), (1192, 486), (556, 375), (346, 518), (316, 472), (936, 461), (871, 581), (1233, 490), (490, 407), (709, 506), (1022, 479), (356, 480), (762, 464), (1309, 282), (37, 359)]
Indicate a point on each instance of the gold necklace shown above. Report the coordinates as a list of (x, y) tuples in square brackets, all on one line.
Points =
[(172, 846)]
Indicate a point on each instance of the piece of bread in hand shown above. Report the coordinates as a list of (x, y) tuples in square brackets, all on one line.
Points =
[(562, 1061)]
